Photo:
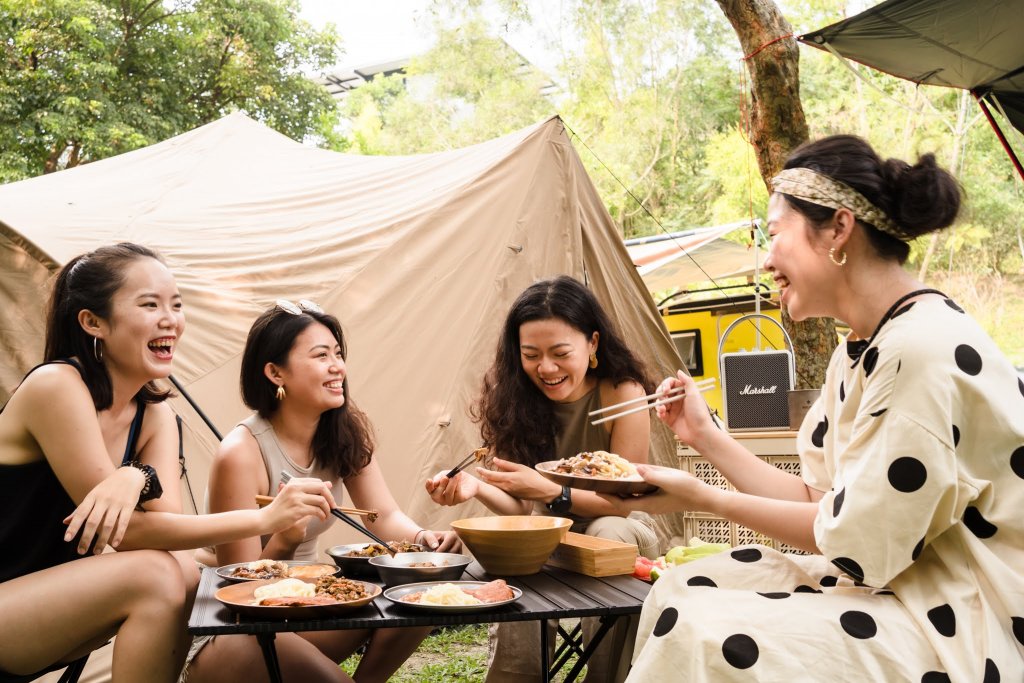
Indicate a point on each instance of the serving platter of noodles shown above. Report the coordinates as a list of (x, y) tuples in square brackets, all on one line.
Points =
[(454, 596), (259, 570), (598, 471), (297, 598)]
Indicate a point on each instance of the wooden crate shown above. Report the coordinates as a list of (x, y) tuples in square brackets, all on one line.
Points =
[(594, 556), (717, 530)]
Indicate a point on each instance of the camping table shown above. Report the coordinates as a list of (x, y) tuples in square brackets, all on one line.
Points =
[(550, 594)]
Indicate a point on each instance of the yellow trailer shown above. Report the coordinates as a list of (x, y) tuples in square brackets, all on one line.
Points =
[(697, 326)]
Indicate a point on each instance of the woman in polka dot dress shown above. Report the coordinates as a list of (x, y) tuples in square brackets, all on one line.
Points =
[(912, 494)]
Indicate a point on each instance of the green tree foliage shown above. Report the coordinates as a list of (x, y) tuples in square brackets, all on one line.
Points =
[(645, 85), (471, 88), (653, 89), (84, 79)]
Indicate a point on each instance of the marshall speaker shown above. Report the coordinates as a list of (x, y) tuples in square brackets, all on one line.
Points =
[(756, 384)]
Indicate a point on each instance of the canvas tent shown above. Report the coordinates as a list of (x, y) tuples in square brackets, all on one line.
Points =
[(970, 44), (419, 257)]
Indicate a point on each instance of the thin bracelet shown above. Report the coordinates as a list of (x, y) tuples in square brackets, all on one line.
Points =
[(415, 537)]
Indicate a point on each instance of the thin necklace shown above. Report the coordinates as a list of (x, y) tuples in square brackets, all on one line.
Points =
[(888, 315)]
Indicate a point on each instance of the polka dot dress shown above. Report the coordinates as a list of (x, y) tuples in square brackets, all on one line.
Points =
[(918, 445)]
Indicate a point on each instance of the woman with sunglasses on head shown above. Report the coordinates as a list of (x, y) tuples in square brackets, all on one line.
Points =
[(913, 465), (294, 376), (558, 358), (89, 426)]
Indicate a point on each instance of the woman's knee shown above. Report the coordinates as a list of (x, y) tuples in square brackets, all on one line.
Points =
[(154, 575), (626, 530)]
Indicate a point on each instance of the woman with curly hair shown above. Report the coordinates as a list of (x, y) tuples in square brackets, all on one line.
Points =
[(559, 357)]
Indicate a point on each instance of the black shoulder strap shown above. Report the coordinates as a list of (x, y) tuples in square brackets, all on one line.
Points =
[(133, 433)]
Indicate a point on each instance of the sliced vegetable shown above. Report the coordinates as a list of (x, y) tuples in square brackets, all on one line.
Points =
[(694, 550)]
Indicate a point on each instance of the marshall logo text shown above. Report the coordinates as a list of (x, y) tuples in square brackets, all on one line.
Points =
[(749, 390)]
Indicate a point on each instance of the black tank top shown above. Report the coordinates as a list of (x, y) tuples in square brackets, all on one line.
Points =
[(33, 505)]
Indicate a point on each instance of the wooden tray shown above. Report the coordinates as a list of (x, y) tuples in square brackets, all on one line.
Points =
[(594, 556)]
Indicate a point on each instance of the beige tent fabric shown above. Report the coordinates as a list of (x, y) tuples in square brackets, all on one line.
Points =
[(419, 257)]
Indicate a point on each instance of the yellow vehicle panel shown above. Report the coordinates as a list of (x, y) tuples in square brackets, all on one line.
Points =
[(697, 327)]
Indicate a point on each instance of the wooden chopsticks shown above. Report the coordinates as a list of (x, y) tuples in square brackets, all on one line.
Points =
[(467, 461), (371, 515), (661, 398)]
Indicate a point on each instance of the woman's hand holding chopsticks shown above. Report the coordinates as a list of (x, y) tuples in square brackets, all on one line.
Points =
[(458, 489), (689, 417), (300, 498)]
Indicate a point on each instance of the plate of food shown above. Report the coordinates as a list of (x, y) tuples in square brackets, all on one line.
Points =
[(598, 471), (297, 598), (260, 570), (454, 596)]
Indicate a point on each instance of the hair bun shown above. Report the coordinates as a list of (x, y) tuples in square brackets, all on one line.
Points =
[(925, 197)]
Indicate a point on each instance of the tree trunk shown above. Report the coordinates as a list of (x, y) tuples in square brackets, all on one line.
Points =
[(777, 126)]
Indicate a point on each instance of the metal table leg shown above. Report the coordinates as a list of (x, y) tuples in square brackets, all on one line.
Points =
[(607, 622), (266, 641), (545, 675), (572, 643)]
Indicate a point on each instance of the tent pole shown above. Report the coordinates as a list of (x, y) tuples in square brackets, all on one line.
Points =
[(999, 133), (195, 407)]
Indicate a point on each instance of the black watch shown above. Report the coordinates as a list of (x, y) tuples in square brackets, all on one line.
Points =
[(563, 503)]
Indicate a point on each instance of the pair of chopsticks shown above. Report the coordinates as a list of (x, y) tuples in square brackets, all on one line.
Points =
[(371, 515), (661, 398), (473, 457), (286, 477)]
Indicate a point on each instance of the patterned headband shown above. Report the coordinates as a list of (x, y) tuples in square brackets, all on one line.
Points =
[(811, 186)]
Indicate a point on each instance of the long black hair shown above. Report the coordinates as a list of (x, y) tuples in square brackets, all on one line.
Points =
[(89, 282), (516, 420), (343, 441)]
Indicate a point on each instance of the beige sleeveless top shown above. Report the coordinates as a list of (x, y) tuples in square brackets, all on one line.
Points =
[(275, 460)]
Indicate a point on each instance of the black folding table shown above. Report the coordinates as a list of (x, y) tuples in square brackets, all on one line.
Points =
[(550, 594)]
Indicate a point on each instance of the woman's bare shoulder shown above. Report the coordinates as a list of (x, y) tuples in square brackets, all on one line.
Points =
[(238, 445), (623, 391), (51, 389)]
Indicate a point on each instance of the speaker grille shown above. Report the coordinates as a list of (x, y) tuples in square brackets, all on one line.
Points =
[(755, 386)]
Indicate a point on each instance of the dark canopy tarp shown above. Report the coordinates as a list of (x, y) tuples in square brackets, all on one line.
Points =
[(977, 45)]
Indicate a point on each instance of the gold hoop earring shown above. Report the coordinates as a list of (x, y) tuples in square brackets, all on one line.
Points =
[(280, 392), (593, 360), (832, 257), (97, 350)]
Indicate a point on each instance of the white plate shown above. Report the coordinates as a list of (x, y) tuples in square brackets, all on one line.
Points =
[(225, 572), (395, 595)]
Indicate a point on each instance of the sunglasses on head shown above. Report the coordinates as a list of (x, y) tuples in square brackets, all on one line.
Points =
[(304, 305)]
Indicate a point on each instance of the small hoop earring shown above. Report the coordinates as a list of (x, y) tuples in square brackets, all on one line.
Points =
[(280, 392), (593, 360), (97, 350), (832, 257)]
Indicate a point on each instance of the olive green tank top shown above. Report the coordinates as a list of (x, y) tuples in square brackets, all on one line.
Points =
[(575, 433)]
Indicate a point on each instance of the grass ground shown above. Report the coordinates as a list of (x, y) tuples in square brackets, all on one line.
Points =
[(996, 302), (453, 654)]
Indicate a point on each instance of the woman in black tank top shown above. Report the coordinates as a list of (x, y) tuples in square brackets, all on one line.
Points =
[(114, 321)]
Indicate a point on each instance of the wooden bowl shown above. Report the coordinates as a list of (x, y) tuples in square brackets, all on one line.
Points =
[(512, 545)]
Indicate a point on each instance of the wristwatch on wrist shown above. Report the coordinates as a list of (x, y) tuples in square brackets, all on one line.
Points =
[(563, 503)]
